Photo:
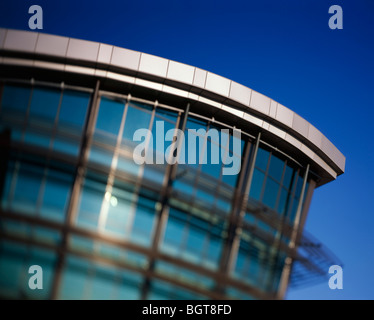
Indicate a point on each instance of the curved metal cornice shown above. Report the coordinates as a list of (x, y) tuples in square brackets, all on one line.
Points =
[(145, 70)]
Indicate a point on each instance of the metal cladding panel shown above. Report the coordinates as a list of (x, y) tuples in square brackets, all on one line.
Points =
[(240, 93), (52, 45), (300, 125), (181, 72), (125, 58), (284, 115), (20, 40), (82, 50), (199, 78), (315, 136), (217, 84), (153, 65), (105, 53), (260, 102)]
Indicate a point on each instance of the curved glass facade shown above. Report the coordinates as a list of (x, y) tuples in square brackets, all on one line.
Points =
[(103, 227)]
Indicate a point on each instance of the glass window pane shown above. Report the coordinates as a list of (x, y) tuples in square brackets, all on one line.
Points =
[(166, 115), (11, 265), (128, 165), (38, 139), (195, 241), (173, 236), (160, 129), (27, 188), (56, 195), (288, 177), (231, 178), (44, 103), (212, 155), (129, 286), (66, 145), (223, 205), (102, 283), (257, 182), (192, 148), (217, 136), (295, 204), (119, 210), (15, 98), (135, 119), (271, 193), (73, 108), (110, 116), (276, 168), (299, 186), (74, 278), (283, 201), (213, 252), (143, 221), (101, 156), (90, 203), (7, 185), (262, 159), (196, 124)]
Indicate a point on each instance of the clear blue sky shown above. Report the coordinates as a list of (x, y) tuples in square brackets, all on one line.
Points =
[(283, 49)]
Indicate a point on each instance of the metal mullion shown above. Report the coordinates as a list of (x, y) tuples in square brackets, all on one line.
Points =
[(280, 229), (163, 211), (266, 175), (243, 206), (265, 261), (110, 180), (280, 186), (90, 120), (247, 262), (169, 174), (27, 115), (230, 245), (198, 170), (46, 169), (220, 179), (105, 206), (194, 181), (147, 281), (286, 272), (139, 178), (216, 190), (185, 232), (207, 240), (251, 243), (293, 194), (18, 162)]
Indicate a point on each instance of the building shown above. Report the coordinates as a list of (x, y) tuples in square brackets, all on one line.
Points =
[(74, 201)]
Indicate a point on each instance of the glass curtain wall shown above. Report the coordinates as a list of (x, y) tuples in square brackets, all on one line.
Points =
[(114, 220)]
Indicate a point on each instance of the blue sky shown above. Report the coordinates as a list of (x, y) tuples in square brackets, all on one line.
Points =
[(283, 49)]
